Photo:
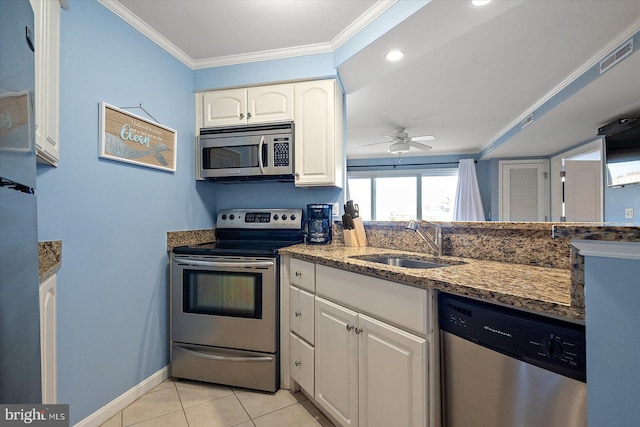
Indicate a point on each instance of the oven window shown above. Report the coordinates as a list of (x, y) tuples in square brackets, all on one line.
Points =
[(241, 156), (222, 293)]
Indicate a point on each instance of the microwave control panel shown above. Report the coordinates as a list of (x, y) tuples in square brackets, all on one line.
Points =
[(281, 151)]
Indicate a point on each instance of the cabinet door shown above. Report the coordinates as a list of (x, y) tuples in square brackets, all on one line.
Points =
[(301, 363), (336, 362), (47, 80), (301, 313), (224, 107), (302, 274), (392, 376), (318, 134), (270, 103)]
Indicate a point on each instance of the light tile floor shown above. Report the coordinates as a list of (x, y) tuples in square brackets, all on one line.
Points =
[(183, 403)]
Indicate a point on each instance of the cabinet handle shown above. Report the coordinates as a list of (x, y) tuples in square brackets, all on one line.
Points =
[(349, 328), (248, 115), (298, 363), (241, 116), (358, 331), (298, 314), (298, 274)]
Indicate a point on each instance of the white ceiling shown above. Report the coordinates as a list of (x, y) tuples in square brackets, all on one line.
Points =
[(468, 77)]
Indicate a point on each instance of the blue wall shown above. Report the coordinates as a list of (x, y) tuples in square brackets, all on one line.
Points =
[(617, 199), (113, 217), (613, 341)]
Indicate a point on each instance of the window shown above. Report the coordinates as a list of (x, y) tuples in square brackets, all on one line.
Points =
[(427, 195)]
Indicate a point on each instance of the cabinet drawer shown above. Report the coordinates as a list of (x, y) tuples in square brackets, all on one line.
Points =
[(301, 313), (301, 360), (400, 305), (302, 274)]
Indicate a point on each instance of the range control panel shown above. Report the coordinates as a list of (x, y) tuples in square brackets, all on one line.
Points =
[(260, 218), (545, 342)]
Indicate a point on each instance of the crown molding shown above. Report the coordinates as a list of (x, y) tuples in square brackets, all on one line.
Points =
[(265, 55), (145, 29), (365, 19)]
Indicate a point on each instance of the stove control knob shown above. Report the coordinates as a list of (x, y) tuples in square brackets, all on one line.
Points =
[(552, 347), (232, 217), (275, 217), (284, 217), (224, 216), (292, 217)]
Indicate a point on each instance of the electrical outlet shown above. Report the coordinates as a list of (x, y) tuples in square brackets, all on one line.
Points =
[(336, 209), (628, 213)]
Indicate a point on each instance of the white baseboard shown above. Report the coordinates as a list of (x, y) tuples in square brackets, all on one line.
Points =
[(125, 399)]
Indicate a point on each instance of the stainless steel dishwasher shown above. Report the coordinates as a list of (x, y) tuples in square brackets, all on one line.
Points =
[(507, 368)]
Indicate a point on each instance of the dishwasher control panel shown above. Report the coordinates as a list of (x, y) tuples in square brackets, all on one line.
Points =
[(541, 341)]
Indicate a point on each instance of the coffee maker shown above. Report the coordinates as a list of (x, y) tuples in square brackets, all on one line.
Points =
[(318, 224)]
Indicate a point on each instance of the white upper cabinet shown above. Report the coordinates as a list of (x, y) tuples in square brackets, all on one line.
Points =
[(47, 75), (262, 104), (318, 134)]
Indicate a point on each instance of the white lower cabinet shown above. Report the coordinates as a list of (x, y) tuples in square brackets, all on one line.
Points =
[(368, 373), (337, 361), (302, 363)]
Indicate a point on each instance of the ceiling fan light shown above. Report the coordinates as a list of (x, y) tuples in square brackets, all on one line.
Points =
[(394, 55), (480, 3), (398, 148)]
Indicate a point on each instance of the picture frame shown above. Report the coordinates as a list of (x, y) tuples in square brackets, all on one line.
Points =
[(129, 138)]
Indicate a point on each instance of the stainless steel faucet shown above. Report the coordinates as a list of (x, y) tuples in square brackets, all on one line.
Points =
[(435, 243)]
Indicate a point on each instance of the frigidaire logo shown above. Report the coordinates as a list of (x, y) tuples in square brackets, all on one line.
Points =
[(38, 415), (496, 331)]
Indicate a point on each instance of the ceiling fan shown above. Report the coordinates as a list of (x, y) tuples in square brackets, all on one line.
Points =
[(401, 142)]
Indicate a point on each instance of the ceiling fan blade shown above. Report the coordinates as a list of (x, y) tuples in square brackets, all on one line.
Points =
[(420, 146), (423, 138), (376, 143)]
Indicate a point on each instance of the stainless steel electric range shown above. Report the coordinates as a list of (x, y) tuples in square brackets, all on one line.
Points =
[(225, 300)]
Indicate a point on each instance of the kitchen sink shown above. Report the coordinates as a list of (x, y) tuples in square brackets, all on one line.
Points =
[(397, 261)]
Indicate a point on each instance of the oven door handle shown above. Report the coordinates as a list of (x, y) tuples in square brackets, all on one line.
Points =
[(223, 358), (240, 264)]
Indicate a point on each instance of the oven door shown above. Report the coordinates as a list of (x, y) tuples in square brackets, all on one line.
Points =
[(226, 302)]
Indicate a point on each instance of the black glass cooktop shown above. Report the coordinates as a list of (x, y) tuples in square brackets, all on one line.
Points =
[(239, 248)]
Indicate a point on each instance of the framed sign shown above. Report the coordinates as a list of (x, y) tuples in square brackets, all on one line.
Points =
[(129, 138)]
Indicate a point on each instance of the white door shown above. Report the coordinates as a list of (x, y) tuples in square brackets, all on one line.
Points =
[(336, 355), (270, 103), (392, 376), (224, 107), (524, 190), (582, 191)]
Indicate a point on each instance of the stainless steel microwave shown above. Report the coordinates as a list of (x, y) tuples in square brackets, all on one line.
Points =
[(246, 152)]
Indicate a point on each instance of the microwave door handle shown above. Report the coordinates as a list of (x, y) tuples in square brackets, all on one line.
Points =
[(226, 264), (261, 154), (224, 358)]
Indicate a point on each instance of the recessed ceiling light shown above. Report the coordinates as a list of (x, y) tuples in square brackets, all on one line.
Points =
[(394, 55), (480, 2)]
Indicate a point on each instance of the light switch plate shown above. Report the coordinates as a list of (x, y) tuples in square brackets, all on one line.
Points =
[(628, 213)]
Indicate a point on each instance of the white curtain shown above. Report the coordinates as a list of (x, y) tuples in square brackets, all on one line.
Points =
[(468, 205)]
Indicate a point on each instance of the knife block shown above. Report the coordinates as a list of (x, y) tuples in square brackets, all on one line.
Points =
[(350, 238), (360, 234)]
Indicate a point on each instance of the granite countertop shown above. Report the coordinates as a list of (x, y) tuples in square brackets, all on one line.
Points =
[(539, 289), (49, 258)]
